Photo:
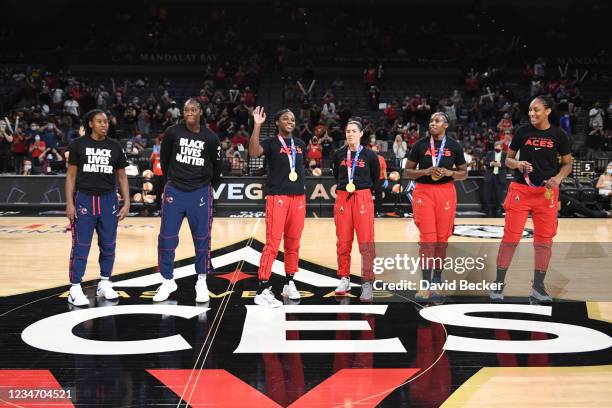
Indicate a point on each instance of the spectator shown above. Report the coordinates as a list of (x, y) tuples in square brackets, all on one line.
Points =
[(412, 135), (19, 151), (328, 112), (102, 98), (36, 149), (50, 134), (72, 107), (240, 138), (399, 150), (374, 93), (315, 151), (390, 112), (305, 133), (382, 181), (241, 113), (249, 97), (604, 186), (144, 122), (505, 126), (596, 117), (327, 146), (566, 123), (175, 112), (6, 148), (56, 98), (138, 142), (495, 180), (467, 154), (595, 143), (369, 76)]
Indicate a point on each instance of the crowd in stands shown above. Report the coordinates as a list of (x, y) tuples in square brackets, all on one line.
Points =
[(49, 107), (485, 110)]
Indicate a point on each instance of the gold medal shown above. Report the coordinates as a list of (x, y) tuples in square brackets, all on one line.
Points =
[(549, 194), (293, 176), (435, 178), (350, 187)]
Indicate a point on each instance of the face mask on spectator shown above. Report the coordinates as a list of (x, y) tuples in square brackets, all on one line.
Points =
[(34, 127), (37, 138), (609, 171), (498, 149), (49, 157)]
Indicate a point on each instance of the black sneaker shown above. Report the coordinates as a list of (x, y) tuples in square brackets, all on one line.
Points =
[(496, 296), (539, 294)]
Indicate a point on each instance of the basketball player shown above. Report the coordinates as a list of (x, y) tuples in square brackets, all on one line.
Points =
[(92, 204), (285, 201), (190, 157), (535, 189), (440, 162), (356, 170)]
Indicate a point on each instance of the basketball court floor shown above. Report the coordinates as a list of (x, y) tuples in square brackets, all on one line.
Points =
[(323, 351)]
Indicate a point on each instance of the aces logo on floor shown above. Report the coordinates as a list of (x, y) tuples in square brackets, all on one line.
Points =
[(485, 231)]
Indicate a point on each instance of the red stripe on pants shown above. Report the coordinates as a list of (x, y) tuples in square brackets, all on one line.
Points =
[(284, 220), (355, 213)]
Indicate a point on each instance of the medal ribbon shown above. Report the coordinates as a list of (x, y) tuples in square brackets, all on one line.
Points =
[(351, 172), (436, 161), (529, 183), (293, 152)]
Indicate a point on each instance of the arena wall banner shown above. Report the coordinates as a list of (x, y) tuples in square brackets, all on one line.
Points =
[(234, 192)]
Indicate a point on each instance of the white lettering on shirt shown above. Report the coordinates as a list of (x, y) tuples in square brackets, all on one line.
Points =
[(190, 152), (97, 161)]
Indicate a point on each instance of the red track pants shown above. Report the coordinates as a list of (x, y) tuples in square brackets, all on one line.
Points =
[(434, 208), (284, 219), (519, 201), (355, 213)]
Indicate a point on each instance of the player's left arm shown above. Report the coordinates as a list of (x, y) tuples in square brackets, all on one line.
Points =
[(214, 154), (125, 193), (566, 161), (564, 171), (460, 171), (374, 170)]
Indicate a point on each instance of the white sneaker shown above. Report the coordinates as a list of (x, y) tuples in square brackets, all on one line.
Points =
[(344, 287), (77, 297), (266, 298), (201, 288), (105, 288), (167, 287), (290, 291)]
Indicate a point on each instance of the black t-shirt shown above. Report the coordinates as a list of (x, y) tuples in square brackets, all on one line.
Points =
[(421, 154), (540, 148), (367, 169), (97, 162), (190, 160), (278, 166)]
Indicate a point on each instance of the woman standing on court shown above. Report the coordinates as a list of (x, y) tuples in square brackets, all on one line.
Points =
[(285, 201), (190, 159), (92, 204), (356, 170), (535, 189), (440, 161)]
